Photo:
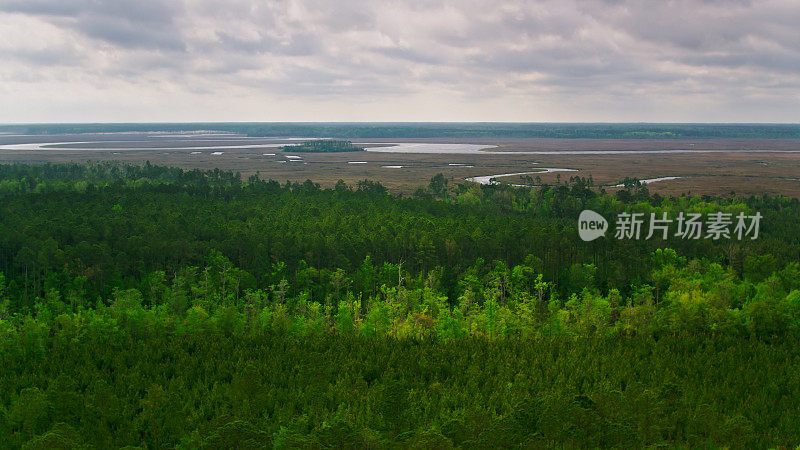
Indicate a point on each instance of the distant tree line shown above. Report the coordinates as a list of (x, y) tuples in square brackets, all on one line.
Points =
[(434, 130), (322, 146)]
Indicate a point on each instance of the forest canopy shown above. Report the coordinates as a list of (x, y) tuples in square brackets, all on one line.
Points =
[(157, 307)]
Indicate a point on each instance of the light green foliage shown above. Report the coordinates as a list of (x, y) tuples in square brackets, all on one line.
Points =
[(344, 319), (377, 321)]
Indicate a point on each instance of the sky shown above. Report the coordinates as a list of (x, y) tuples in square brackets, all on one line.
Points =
[(399, 60)]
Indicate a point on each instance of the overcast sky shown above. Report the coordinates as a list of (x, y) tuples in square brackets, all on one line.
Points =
[(399, 60)]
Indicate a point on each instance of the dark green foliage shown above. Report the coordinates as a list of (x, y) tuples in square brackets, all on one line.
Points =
[(87, 229), (698, 391), (322, 146), (151, 307)]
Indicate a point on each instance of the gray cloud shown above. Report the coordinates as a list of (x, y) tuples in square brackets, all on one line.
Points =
[(603, 57), (44, 7)]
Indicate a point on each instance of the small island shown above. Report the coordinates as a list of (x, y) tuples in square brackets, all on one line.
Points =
[(322, 146)]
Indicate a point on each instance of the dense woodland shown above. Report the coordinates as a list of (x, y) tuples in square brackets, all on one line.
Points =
[(155, 307), (322, 146)]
